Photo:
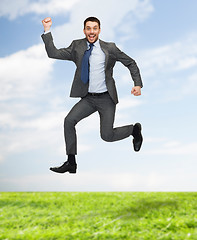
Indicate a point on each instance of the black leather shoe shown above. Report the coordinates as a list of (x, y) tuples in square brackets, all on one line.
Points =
[(66, 167), (138, 139)]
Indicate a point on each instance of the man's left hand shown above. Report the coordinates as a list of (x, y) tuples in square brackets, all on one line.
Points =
[(136, 91)]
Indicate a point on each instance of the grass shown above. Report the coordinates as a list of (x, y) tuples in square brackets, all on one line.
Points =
[(98, 215)]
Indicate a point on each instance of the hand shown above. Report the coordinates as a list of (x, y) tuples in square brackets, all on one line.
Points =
[(47, 22), (136, 91)]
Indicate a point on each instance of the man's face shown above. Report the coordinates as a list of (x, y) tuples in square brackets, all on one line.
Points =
[(92, 31)]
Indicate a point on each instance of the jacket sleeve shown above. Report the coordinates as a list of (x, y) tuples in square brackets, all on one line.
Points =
[(53, 52), (130, 64)]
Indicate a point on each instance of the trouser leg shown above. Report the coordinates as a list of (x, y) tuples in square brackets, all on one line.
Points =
[(81, 110), (108, 133)]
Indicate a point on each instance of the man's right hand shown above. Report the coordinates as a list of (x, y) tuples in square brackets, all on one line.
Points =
[(47, 22)]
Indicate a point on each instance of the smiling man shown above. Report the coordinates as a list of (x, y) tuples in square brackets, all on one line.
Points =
[(94, 84), (91, 30)]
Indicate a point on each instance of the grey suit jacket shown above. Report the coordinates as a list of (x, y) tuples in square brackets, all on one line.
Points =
[(75, 53)]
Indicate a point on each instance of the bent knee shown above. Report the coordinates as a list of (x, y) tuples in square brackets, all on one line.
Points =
[(107, 137), (69, 121)]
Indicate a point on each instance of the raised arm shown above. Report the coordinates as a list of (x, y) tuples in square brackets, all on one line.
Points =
[(52, 51)]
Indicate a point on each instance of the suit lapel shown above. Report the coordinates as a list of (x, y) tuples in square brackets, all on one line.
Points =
[(104, 48), (82, 48), (84, 45)]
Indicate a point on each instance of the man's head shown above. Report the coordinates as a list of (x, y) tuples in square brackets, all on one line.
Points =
[(92, 29)]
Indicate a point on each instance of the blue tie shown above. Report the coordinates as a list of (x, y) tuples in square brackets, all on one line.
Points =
[(85, 64)]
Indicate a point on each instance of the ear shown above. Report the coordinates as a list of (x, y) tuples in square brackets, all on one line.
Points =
[(84, 31)]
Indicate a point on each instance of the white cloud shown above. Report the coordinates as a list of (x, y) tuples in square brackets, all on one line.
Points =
[(128, 102), (22, 141), (84, 148), (48, 122), (174, 148), (24, 72), (175, 57), (169, 71), (24, 75), (1, 158), (190, 87), (154, 140), (14, 9), (52, 7)]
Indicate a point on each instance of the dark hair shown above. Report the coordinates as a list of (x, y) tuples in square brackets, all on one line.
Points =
[(92, 19)]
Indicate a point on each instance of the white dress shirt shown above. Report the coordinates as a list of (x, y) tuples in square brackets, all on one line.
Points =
[(97, 69)]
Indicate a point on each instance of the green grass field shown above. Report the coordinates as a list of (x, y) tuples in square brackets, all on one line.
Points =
[(102, 215)]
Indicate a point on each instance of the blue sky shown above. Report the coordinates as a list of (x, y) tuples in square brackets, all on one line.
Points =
[(34, 99)]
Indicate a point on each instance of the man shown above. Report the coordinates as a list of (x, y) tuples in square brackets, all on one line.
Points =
[(94, 84)]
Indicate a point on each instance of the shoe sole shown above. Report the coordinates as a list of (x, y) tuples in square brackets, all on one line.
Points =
[(140, 128), (137, 150), (71, 171)]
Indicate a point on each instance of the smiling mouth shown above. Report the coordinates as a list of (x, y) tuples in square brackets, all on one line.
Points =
[(91, 36)]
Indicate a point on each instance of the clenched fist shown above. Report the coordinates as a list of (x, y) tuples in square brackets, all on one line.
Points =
[(136, 91), (47, 22)]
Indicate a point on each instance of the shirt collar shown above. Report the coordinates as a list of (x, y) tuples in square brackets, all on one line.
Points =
[(96, 44)]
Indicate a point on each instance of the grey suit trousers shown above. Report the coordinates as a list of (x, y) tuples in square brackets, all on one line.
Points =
[(84, 108)]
